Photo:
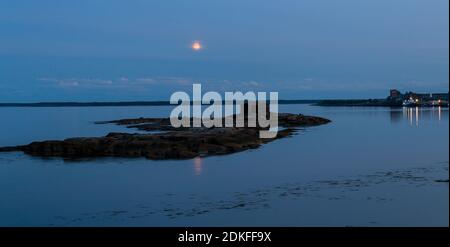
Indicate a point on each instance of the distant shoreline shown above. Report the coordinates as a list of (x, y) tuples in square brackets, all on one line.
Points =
[(373, 103), (324, 103), (124, 103)]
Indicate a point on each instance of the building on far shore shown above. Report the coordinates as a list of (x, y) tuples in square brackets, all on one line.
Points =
[(418, 99), (395, 93)]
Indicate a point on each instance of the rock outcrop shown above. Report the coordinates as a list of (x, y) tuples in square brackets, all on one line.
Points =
[(168, 142)]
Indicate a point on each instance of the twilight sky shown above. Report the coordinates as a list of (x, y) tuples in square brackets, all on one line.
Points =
[(86, 50)]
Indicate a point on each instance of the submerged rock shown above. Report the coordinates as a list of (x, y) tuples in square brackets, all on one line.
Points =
[(172, 143), (442, 181)]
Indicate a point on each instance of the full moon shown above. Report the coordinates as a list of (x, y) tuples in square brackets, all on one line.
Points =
[(196, 46)]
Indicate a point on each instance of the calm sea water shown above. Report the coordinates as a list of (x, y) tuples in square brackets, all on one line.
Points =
[(369, 167)]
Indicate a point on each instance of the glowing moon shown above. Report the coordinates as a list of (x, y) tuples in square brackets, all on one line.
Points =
[(196, 46)]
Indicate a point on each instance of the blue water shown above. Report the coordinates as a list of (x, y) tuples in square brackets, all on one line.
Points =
[(369, 167)]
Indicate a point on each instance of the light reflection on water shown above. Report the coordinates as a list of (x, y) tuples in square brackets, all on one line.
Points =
[(414, 115), (198, 165)]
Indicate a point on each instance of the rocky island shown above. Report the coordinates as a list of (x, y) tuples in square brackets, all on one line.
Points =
[(164, 141)]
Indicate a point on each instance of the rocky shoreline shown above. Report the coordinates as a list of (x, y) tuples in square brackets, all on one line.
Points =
[(168, 142)]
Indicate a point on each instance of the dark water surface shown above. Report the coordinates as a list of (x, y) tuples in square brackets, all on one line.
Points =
[(369, 167)]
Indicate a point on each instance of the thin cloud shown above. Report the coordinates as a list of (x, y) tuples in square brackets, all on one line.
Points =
[(146, 83), (115, 83), (77, 82)]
